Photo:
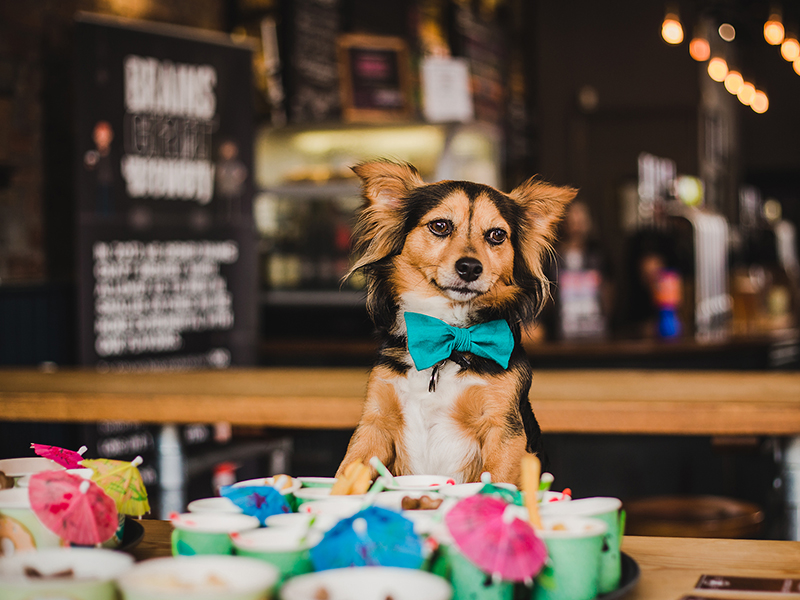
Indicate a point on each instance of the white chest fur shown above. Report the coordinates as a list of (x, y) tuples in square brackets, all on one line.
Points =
[(434, 442)]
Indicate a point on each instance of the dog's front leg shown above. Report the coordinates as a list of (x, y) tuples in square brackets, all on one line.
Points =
[(379, 432), (502, 455)]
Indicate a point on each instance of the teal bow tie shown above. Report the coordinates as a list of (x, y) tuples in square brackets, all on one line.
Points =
[(431, 340)]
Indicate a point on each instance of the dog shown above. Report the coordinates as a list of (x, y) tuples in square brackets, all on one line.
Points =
[(469, 256)]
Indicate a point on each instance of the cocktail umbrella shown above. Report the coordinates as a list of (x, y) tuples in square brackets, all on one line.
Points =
[(73, 508), (375, 536), (496, 537), (66, 458), (122, 481), (260, 501)]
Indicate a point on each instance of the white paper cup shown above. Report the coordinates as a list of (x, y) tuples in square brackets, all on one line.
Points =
[(394, 500), (199, 578), (213, 505), (302, 521), (94, 572), (20, 528), (28, 465), (337, 506), (464, 490), (368, 583)]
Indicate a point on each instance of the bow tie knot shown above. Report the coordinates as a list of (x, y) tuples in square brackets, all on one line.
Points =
[(431, 340)]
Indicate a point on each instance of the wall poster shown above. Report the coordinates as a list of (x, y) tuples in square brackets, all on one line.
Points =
[(164, 164)]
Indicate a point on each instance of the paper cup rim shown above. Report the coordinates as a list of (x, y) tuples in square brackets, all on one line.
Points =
[(297, 588), (103, 565), (582, 507), (137, 579), (211, 522), (261, 540), (12, 467), (227, 506), (262, 481), (589, 527)]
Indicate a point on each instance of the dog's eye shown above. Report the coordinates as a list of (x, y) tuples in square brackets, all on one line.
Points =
[(441, 228), (496, 236)]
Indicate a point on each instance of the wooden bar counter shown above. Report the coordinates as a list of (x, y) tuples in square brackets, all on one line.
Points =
[(670, 567), (591, 401)]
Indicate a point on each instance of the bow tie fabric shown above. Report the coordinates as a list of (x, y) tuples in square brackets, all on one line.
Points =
[(431, 340)]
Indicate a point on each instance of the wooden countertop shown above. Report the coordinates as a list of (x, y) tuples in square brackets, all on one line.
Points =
[(670, 567), (590, 401)]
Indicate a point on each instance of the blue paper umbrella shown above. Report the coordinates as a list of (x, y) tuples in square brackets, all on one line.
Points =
[(375, 536), (260, 501)]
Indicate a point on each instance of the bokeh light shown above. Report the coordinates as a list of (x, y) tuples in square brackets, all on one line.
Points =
[(671, 29), (760, 102), (699, 49), (773, 30), (790, 48), (733, 81), (727, 32), (717, 69), (746, 93)]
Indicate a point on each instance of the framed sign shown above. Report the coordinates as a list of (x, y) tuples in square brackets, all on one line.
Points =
[(375, 80), (164, 182)]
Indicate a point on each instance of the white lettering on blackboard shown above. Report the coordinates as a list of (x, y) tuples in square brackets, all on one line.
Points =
[(147, 294), (170, 109)]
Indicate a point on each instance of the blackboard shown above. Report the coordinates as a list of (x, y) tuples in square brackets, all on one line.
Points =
[(164, 173)]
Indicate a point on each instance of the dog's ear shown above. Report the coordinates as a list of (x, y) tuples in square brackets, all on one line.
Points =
[(387, 183), (379, 229), (543, 206)]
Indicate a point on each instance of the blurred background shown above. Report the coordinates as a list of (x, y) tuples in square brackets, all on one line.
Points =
[(677, 121)]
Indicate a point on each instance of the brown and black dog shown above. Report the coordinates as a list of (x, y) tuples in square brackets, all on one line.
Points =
[(466, 254)]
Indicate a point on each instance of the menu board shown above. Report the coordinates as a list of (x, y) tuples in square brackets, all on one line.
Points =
[(164, 164)]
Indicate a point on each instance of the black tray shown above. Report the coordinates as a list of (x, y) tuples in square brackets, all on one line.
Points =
[(627, 581), (132, 535)]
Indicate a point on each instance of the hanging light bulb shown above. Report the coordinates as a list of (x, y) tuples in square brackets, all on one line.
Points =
[(733, 81), (717, 69), (790, 47), (773, 28), (671, 28), (746, 93), (760, 102)]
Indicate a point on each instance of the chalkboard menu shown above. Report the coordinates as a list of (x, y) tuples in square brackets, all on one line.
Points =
[(164, 164)]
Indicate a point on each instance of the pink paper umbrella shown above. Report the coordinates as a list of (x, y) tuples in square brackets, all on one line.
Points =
[(73, 508), (66, 458), (494, 536)]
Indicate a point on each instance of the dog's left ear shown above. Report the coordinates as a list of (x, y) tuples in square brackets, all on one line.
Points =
[(543, 206), (387, 183)]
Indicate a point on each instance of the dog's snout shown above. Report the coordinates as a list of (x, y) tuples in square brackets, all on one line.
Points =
[(469, 269)]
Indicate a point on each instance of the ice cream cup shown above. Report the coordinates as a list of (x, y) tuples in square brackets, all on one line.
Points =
[(75, 573), (464, 490), (574, 549), (420, 483), (20, 528), (288, 491), (340, 507), (368, 582), (317, 482), (311, 494), (285, 548), (207, 533), (472, 583), (199, 577), (213, 505), (27, 466), (607, 510), (302, 521)]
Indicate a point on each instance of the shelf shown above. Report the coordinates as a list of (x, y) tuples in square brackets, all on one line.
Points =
[(345, 298)]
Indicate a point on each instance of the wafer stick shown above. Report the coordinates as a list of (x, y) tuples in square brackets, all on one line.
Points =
[(531, 470)]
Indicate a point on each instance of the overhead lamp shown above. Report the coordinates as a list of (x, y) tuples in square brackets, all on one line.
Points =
[(699, 48), (717, 69), (790, 47), (727, 32), (760, 102), (671, 28), (773, 28), (746, 93), (733, 81)]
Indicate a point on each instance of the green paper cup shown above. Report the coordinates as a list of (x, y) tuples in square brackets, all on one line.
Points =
[(317, 482), (213, 505), (367, 582), (86, 574), (607, 510), (283, 547), (574, 548), (207, 533), (20, 528), (302, 521), (471, 583), (194, 577)]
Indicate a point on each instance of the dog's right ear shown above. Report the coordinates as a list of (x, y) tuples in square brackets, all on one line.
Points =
[(387, 183), (379, 229)]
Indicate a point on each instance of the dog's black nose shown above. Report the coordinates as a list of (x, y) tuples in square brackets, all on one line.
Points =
[(469, 269)]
